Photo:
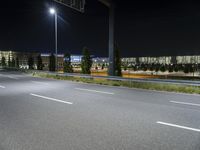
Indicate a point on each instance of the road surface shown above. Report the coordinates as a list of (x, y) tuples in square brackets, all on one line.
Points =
[(45, 114)]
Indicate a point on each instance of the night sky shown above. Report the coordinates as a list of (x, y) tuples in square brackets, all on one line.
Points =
[(143, 27)]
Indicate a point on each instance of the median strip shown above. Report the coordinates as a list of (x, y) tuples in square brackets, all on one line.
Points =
[(52, 99), (88, 90), (124, 83), (178, 126), (184, 103)]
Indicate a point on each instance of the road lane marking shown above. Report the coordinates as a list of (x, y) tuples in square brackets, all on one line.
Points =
[(184, 103), (52, 99), (40, 82), (178, 126), (3, 87), (102, 92)]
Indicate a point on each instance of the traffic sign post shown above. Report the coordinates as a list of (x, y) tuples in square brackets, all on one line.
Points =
[(110, 4), (78, 5)]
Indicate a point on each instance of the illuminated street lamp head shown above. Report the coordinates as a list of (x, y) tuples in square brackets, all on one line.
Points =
[(52, 11)]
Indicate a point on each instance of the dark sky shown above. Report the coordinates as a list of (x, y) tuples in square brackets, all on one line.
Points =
[(143, 27)]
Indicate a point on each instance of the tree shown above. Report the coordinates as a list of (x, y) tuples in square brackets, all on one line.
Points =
[(137, 60), (151, 67), (17, 62), (3, 61), (9, 61), (30, 62), (52, 63), (144, 67), (191, 68), (135, 67), (86, 62), (96, 68), (157, 67), (171, 68), (13, 63), (118, 63), (181, 67), (103, 66), (176, 68), (67, 63), (186, 69), (125, 65), (163, 68), (39, 63)]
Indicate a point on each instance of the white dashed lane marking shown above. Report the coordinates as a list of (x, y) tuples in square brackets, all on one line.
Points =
[(52, 99)]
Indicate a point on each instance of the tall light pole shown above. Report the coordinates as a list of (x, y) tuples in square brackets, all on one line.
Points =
[(54, 12), (110, 4)]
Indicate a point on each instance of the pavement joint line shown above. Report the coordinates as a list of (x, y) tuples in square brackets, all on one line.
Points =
[(8, 76), (178, 126), (185, 103), (3, 87), (102, 92), (52, 99), (11, 77), (38, 82)]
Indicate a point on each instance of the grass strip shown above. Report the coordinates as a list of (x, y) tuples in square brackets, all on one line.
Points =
[(130, 84)]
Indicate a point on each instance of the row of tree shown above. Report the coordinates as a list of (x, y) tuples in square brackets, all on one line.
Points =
[(86, 63), (186, 68), (39, 63), (11, 63), (14, 62)]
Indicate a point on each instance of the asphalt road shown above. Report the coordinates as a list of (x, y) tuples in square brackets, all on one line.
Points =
[(45, 114)]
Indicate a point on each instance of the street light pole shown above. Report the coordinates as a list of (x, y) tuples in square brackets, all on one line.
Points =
[(112, 40), (54, 12), (56, 40)]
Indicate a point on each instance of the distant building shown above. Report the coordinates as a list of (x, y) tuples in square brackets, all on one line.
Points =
[(155, 60), (75, 60), (22, 56), (98, 61), (45, 60), (165, 60)]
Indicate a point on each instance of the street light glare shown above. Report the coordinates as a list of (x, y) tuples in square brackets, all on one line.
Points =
[(52, 10)]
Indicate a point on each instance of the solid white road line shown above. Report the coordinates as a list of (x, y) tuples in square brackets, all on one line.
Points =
[(3, 87), (40, 82), (184, 103), (178, 126), (52, 99), (102, 92)]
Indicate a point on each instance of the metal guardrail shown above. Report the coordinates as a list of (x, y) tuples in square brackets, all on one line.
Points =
[(113, 78)]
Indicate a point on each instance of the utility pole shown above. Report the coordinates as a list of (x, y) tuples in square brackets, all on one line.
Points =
[(110, 4), (54, 12), (56, 40)]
